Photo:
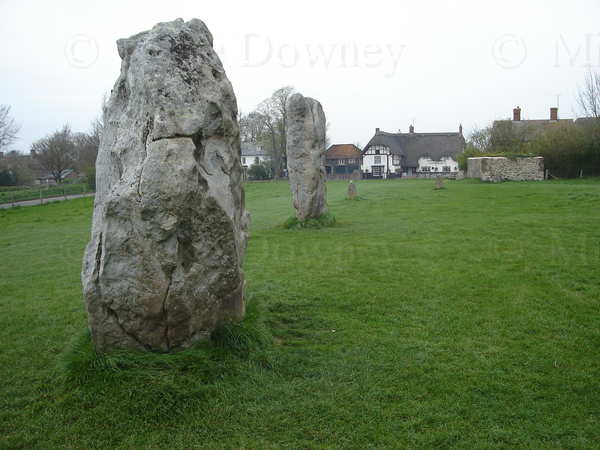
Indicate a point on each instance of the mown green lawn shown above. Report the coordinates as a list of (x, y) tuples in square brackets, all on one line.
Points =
[(467, 317)]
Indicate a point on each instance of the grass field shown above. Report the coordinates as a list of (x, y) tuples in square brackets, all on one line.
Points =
[(9, 194), (467, 317)]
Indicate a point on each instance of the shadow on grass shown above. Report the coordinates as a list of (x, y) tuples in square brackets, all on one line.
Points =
[(157, 387)]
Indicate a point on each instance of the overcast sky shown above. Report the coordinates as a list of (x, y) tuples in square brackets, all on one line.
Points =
[(371, 64)]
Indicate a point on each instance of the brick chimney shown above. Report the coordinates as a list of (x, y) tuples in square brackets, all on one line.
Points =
[(517, 114), (411, 129), (376, 130), (460, 131), (553, 113)]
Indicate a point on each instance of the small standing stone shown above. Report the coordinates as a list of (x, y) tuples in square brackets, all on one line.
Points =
[(352, 190), (439, 183), (306, 128)]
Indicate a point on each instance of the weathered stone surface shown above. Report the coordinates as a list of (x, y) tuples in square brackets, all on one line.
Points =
[(495, 169), (163, 266), (306, 127), (352, 190), (439, 182)]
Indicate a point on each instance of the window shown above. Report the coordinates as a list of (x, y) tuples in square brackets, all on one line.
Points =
[(257, 160), (377, 159), (446, 169), (396, 160), (425, 169), (378, 150)]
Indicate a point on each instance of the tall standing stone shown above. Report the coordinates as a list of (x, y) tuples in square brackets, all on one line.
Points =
[(306, 128), (163, 267)]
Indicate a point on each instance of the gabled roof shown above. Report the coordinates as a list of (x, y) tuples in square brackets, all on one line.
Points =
[(343, 151), (413, 146)]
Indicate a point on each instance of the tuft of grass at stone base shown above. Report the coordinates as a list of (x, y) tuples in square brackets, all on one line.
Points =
[(323, 221)]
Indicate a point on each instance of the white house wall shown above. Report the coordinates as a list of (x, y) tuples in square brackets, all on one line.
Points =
[(247, 161), (386, 160), (437, 166)]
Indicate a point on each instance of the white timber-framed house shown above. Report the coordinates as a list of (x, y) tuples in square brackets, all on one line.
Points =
[(389, 155)]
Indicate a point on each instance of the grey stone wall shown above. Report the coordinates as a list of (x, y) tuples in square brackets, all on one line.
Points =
[(506, 169)]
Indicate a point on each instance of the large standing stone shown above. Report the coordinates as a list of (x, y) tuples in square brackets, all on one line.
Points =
[(306, 156), (164, 264)]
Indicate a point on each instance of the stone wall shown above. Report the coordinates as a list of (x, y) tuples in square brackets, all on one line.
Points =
[(506, 169)]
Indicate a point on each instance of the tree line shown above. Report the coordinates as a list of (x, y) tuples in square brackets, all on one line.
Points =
[(55, 154)]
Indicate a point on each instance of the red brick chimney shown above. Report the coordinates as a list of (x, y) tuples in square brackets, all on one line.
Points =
[(517, 114), (411, 129), (553, 113)]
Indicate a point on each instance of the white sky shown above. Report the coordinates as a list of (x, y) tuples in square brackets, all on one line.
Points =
[(370, 63)]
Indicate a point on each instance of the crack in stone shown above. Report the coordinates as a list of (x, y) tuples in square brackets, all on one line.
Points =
[(165, 310), (112, 313), (174, 136), (98, 260), (147, 132)]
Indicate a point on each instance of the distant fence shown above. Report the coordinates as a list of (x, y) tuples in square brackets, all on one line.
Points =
[(16, 194)]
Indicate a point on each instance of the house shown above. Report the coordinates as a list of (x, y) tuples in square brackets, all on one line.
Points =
[(44, 177), (525, 130), (412, 154), (341, 160), (253, 154)]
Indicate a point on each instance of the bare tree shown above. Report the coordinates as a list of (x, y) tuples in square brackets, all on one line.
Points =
[(9, 129), (252, 127), (279, 100), (86, 146), (274, 116), (272, 140), (589, 95), (56, 152), (480, 138)]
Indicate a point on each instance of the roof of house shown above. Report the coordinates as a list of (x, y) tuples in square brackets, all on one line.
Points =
[(343, 151), (531, 127), (249, 149), (587, 120), (413, 146)]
